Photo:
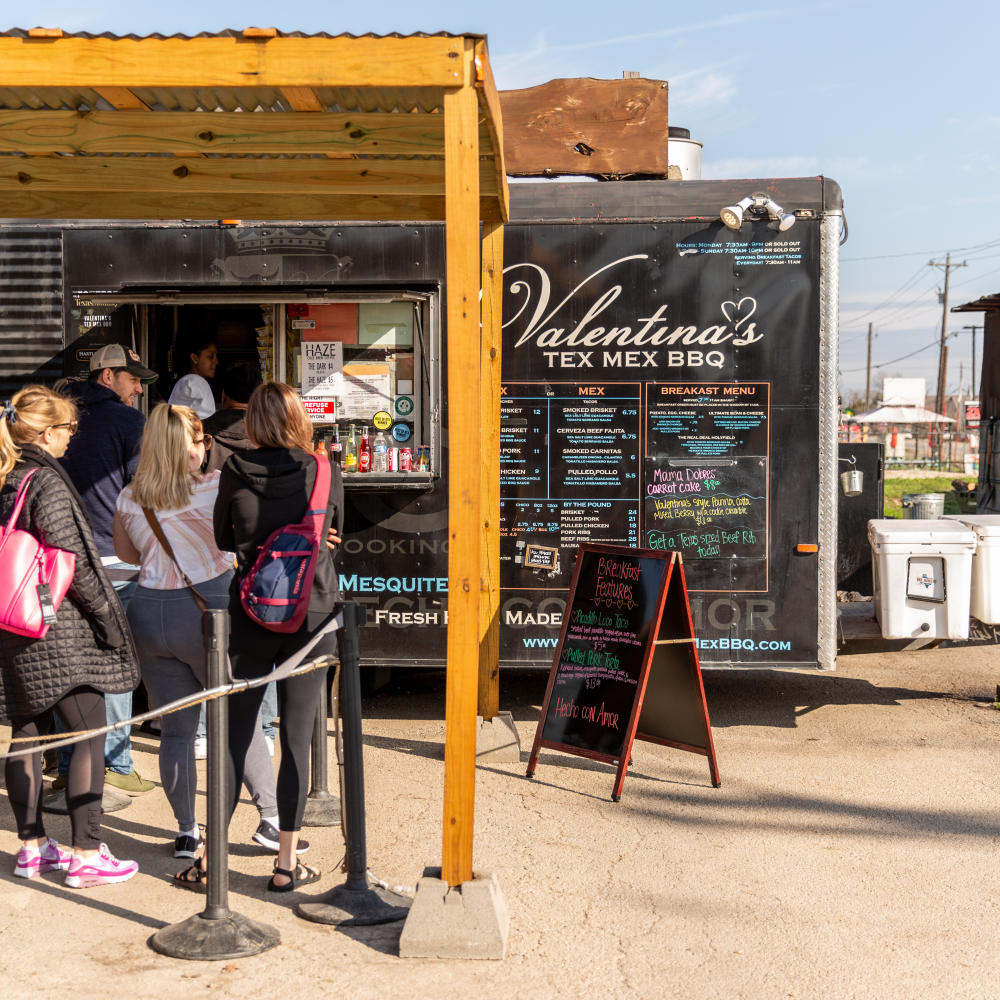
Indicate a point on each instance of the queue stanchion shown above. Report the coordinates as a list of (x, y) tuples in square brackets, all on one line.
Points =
[(322, 808), (216, 933), (357, 902)]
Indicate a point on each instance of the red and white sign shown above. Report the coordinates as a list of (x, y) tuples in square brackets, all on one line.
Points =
[(321, 411)]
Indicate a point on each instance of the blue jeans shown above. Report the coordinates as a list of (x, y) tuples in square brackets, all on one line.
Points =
[(117, 707), (118, 743)]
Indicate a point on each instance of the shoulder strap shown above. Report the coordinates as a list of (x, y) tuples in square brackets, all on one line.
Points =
[(162, 539), (22, 492), (319, 499)]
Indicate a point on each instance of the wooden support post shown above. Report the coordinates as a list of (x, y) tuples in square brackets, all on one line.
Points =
[(489, 608), (462, 277)]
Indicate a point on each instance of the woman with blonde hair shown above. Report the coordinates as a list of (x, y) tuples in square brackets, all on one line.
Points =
[(86, 653), (171, 500), (262, 489)]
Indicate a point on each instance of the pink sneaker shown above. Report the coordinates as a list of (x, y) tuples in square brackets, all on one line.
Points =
[(34, 861), (102, 870)]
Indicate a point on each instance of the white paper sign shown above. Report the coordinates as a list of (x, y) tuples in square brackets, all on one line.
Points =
[(322, 362)]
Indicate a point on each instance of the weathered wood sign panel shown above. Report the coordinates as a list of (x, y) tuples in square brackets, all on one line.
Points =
[(627, 612)]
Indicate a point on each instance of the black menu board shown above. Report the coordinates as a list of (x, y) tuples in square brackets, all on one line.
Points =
[(614, 623)]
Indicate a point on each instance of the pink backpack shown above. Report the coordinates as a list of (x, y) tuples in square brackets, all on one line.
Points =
[(34, 577), (275, 593)]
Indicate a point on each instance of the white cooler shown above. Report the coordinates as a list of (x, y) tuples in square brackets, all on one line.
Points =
[(922, 573), (985, 599)]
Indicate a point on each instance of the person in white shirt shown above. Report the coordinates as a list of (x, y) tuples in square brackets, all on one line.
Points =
[(164, 616), (193, 389)]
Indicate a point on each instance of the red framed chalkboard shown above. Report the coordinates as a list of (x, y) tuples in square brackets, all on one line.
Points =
[(626, 665)]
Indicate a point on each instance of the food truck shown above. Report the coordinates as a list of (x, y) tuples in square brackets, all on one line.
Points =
[(668, 382)]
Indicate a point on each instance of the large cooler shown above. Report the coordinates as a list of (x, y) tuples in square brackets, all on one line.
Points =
[(922, 577), (985, 597)]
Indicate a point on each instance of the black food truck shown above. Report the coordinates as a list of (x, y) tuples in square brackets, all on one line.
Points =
[(668, 381)]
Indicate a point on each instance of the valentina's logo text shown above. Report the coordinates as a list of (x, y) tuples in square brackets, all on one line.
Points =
[(546, 328)]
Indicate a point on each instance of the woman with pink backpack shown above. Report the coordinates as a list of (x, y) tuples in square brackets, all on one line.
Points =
[(85, 651)]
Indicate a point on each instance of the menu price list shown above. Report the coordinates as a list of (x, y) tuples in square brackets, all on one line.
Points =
[(570, 440), (564, 525)]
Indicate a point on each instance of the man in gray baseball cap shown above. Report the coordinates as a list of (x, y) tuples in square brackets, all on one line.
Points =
[(101, 460)]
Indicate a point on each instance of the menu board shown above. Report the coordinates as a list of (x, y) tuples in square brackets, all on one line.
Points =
[(612, 612), (624, 605), (569, 474), (705, 480)]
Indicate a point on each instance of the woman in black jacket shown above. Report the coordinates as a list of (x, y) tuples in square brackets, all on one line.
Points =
[(260, 490), (86, 653)]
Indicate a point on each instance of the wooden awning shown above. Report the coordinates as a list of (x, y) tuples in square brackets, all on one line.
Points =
[(257, 124), (252, 124)]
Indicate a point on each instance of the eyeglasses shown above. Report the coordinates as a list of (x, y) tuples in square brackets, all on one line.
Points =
[(206, 440), (73, 426)]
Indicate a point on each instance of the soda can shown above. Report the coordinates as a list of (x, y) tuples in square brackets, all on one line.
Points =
[(405, 459), (392, 460)]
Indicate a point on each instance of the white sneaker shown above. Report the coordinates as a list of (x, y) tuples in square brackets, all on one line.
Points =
[(270, 745), (101, 870), (200, 747)]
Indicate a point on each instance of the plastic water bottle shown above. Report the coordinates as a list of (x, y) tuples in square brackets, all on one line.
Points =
[(380, 453)]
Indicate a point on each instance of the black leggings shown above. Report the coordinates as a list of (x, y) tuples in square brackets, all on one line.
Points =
[(297, 701), (82, 708)]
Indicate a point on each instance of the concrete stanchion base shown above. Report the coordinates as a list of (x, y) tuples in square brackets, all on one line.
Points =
[(497, 740), (322, 810), (200, 939), (468, 921), (343, 907)]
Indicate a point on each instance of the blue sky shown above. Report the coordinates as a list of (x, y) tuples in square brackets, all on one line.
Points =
[(895, 102)]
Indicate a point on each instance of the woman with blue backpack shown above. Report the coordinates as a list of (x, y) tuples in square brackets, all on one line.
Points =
[(278, 484)]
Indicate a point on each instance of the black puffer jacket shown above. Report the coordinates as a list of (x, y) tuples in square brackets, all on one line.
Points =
[(90, 643)]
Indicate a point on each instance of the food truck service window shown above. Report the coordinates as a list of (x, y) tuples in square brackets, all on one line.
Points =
[(363, 370)]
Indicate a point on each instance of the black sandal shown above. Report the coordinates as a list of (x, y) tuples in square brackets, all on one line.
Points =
[(194, 878), (302, 875)]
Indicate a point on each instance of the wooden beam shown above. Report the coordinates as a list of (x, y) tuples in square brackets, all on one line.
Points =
[(256, 206), (489, 100), (232, 62), (233, 175), (462, 276), (250, 132), (302, 99), (489, 488)]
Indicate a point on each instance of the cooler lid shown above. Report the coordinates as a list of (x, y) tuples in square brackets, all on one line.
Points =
[(919, 532), (984, 525)]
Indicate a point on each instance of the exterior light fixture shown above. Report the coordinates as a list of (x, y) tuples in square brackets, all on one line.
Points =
[(732, 215), (758, 204)]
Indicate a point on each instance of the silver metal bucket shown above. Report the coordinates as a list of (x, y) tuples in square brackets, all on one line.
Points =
[(924, 506), (852, 482)]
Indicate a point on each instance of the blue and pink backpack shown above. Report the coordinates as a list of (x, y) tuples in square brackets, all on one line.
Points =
[(275, 593)]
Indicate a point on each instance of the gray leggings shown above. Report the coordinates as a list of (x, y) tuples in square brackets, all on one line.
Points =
[(166, 625)]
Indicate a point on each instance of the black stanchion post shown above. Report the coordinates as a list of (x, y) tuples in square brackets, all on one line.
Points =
[(322, 808), (355, 903), (216, 933)]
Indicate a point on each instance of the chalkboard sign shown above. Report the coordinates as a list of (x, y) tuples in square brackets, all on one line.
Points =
[(611, 634), (541, 557)]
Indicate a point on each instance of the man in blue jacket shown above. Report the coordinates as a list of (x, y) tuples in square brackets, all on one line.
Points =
[(101, 460)]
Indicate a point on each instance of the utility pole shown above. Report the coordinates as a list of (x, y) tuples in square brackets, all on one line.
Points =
[(868, 376), (975, 388), (943, 353)]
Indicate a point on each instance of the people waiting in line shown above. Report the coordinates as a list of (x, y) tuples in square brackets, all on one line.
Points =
[(228, 424), (261, 490), (86, 655), (170, 496), (101, 460), (192, 388)]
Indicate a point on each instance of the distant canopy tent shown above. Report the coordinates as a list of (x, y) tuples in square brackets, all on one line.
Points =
[(901, 415), (264, 125)]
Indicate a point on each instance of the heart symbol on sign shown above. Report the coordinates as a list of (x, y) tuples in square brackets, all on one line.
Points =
[(738, 313)]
